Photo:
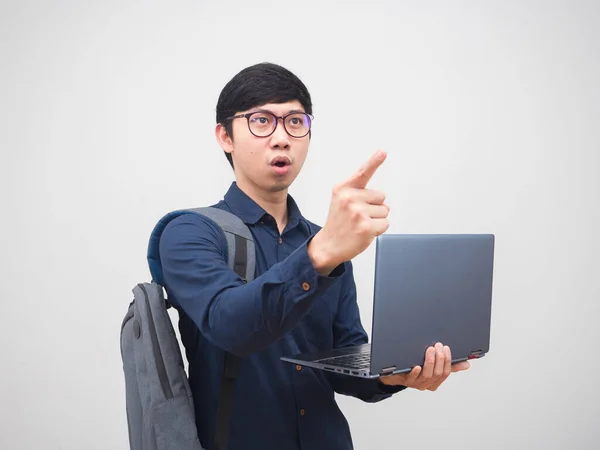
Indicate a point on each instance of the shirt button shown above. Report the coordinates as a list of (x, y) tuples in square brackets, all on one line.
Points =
[(302, 412), (298, 368), (305, 286), (280, 240)]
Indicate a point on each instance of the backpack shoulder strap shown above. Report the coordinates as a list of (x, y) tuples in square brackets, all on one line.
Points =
[(240, 258), (240, 244)]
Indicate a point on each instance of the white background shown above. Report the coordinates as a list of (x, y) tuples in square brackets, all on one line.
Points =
[(490, 114)]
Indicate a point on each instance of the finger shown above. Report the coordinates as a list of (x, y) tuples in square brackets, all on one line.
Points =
[(448, 361), (435, 386), (379, 226), (410, 379), (370, 196), (460, 366), (438, 368), (376, 211), (401, 378), (447, 368), (413, 375), (361, 178), (427, 372)]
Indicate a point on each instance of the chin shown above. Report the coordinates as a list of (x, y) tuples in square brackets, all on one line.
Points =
[(278, 186)]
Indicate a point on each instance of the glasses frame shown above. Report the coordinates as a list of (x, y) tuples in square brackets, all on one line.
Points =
[(248, 115)]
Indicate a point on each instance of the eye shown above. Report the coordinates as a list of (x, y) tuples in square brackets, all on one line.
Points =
[(297, 120), (261, 119)]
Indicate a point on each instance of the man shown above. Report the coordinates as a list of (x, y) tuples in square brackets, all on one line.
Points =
[(303, 298)]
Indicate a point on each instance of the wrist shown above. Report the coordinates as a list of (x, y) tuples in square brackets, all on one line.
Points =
[(321, 260), (390, 388)]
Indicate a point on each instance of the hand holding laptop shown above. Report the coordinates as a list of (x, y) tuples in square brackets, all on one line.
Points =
[(428, 288), (356, 216), (435, 371)]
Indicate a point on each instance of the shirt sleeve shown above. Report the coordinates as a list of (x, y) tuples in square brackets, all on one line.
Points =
[(238, 317), (348, 331)]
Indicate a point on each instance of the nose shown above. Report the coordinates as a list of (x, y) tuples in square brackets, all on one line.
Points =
[(280, 139)]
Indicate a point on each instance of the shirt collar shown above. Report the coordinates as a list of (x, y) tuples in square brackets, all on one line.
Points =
[(294, 215), (250, 212)]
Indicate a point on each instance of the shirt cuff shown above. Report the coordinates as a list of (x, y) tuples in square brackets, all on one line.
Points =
[(387, 389), (300, 268)]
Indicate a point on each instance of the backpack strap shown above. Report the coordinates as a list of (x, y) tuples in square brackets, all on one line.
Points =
[(240, 244), (240, 258)]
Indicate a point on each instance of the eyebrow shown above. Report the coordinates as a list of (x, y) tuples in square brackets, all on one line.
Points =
[(292, 111)]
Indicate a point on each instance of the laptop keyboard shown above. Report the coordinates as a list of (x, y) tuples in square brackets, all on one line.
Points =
[(353, 361)]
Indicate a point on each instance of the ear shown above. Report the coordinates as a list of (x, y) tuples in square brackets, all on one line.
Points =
[(224, 140)]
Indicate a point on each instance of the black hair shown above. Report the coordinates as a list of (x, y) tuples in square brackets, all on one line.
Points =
[(258, 85)]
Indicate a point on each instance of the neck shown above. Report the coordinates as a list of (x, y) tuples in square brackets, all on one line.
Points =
[(274, 203)]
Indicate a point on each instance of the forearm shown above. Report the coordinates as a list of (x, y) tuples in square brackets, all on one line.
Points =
[(236, 316), (246, 318)]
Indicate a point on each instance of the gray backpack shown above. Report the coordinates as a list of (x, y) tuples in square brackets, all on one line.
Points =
[(159, 405)]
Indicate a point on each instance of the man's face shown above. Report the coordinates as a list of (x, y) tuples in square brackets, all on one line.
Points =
[(269, 163)]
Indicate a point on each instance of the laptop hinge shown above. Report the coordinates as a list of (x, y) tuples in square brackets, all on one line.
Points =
[(475, 354), (387, 370)]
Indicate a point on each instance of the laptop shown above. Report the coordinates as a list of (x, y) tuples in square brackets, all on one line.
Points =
[(428, 288)]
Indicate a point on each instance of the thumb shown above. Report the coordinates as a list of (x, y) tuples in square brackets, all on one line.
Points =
[(362, 176), (460, 366)]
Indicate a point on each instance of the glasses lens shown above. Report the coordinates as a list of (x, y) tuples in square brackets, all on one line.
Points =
[(297, 125), (261, 123)]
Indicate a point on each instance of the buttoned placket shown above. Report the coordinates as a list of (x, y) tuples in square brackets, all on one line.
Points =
[(271, 225)]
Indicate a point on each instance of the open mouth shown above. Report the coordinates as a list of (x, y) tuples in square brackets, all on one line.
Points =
[(281, 162)]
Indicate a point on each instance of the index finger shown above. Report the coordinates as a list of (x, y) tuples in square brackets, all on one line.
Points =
[(360, 178)]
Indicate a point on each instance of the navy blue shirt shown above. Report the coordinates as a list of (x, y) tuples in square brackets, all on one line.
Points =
[(288, 308)]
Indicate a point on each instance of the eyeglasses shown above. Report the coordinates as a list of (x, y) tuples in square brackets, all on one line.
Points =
[(264, 123)]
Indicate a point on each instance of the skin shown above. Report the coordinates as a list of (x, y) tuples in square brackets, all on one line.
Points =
[(356, 215), (252, 157)]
